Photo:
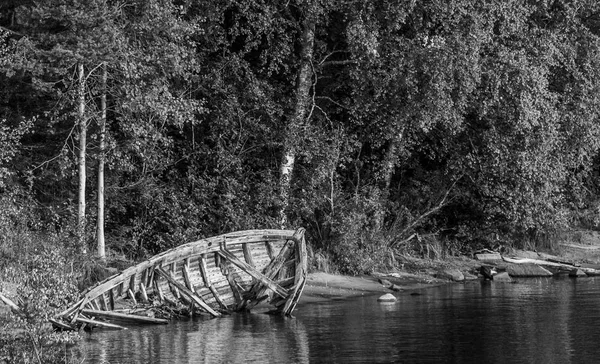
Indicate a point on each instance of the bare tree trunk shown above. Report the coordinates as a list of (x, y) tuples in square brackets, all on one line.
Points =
[(389, 163), (300, 110), (101, 157), (81, 161)]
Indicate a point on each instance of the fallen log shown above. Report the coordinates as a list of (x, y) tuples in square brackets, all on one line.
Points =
[(124, 316), (535, 261)]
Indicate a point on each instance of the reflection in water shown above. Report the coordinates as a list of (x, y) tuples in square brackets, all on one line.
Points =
[(258, 338), (532, 321)]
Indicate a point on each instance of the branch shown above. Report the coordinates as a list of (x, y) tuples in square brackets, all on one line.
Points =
[(338, 63), (418, 220)]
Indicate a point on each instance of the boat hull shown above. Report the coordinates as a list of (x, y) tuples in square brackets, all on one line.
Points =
[(226, 273)]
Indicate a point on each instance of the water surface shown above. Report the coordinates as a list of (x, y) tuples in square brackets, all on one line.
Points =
[(532, 321)]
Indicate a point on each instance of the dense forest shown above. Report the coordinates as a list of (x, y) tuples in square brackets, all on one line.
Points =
[(132, 126)]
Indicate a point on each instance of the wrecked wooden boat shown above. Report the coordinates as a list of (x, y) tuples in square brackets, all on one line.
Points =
[(222, 274)]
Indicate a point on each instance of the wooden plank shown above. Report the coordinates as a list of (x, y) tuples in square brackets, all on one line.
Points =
[(124, 316), (103, 302), (248, 255), (158, 290), (132, 296), (253, 272), (187, 292), (143, 292), (60, 325), (186, 275), (235, 288), (300, 274), (100, 323), (111, 298), (270, 249), (203, 271), (132, 283), (208, 283), (70, 310), (119, 291)]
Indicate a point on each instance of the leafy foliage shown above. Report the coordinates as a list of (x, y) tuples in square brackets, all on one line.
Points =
[(466, 122)]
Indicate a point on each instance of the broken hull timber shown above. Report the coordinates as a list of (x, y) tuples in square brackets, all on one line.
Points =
[(225, 273)]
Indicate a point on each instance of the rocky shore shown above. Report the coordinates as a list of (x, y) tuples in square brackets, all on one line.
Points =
[(575, 260)]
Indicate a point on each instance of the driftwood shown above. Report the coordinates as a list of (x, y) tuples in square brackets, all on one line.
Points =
[(565, 266)]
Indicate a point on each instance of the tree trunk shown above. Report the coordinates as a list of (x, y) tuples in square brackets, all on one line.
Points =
[(101, 157), (81, 161), (300, 110)]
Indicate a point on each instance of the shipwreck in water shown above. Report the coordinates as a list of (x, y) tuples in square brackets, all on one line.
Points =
[(213, 276)]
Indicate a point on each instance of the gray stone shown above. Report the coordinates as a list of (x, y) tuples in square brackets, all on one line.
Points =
[(527, 270), (577, 273), (388, 297), (502, 277), (469, 276), (452, 274), (488, 257)]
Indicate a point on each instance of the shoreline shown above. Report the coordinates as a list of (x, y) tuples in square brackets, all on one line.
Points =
[(323, 287)]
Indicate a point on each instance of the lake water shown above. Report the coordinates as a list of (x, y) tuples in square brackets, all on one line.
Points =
[(550, 320)]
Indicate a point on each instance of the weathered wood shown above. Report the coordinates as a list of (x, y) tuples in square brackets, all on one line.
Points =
[(270, 249), (271, 270), (188, 293), (268, 260), (124, 316), (248, 255), (235, 288), (111, 298), (103, 302), (143, 292), (105, 325), (71, 309), (60, 325), (132, 296), (132, 283), (186, 276), (158, 290), (300, 274), (253, 272), (203, 271)]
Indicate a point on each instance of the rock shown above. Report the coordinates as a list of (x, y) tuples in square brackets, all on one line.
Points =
[(388, 297), (488, 257), (389, 285), (502, 277), (452, 274), (470, 277), (577, 273), (527, 270), (526, 254)]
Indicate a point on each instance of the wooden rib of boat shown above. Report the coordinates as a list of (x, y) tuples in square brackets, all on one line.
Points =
[(231, 272)]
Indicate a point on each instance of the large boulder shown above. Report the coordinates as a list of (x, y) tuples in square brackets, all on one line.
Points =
[(451, 274), (527, 270), (502, 277)]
